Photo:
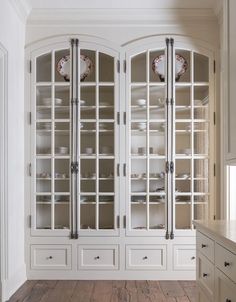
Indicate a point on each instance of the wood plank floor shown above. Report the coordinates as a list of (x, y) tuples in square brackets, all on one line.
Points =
[(106, 291)]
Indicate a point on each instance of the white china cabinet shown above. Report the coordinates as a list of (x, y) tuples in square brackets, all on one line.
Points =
[(121, 157)]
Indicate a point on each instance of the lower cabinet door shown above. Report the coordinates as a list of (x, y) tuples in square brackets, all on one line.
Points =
[(51, 256), (225, 288), (201, 296), (101, 257), (184, 257), (146, 257)]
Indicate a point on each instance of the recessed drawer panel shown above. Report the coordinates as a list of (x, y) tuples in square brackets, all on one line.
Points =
[(226, 262), (205, 274), (206, 246), (51, 257), (103, 257), (184, 257), (147, 257), (226, 289)]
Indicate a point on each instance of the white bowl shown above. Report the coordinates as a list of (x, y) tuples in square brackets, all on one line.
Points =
[(47, 101), (142, 126), (141, 102), (58, 101)]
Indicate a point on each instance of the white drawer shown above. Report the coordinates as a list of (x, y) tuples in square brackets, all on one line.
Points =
[(184, 257), (103, 257), (146, 257), (225, 288), (206, 246), (205, 275), (226, 262), (51, 257)]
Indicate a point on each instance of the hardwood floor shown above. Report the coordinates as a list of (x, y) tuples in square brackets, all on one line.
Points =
[(106, 291)]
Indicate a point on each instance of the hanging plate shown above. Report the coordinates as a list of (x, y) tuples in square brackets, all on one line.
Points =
[(63, 67), (158, 66)]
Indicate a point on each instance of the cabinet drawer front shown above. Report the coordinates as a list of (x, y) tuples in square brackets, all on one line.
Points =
[(98, 257), (205, 274), (226, 262), (202, 297), (50, 257), (146, 257), (226, 289), (184, 257), (206, 246)]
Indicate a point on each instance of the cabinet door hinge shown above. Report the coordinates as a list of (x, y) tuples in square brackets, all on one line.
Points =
[(124, 66), (30, 66), (214, 118), (171, 167), (118, 170), (30, 169), (118, 221), (118, 66), (214, 217), (118, 118), (124, 169), (214, 169), (30, 118), (30, 221), (124, 118), (167, 167), (214, 66), (124, 222)]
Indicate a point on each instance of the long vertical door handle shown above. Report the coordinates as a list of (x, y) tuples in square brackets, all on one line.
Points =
[(172, 138)]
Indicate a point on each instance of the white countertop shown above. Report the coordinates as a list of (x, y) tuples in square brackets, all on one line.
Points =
[(223, 229)]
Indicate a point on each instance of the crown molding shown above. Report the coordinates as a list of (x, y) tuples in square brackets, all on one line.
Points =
[(22, 8), (117, 17)]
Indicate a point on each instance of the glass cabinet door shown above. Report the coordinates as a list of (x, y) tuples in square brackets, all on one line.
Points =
[(98, 147), (147, 143), (97, 134), (51, 121), (191, 116)]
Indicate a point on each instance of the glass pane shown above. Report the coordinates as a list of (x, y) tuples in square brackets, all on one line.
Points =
[(43, 216), (44, 68), (183, 144), (43, 102), (157, 174), (201, 68), (62, 144), (62, 102), (183, 169), (139, 103), (88, 175), (62, 216), (156, 102), (201, 168), (106, 102), (138, 174), (43, 175), (138, 68), (200, 211), (87, 65), (183, 216), (138, 212), (182, 66), (157, 65), (106, 138), (106, 68), (87, 216), (183, 96), (88, 141), (156, 215), (157, 139), (106, 173), (62, 65), (106, 214)]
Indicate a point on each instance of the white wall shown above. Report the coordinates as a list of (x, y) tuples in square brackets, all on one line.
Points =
[(12, 37)]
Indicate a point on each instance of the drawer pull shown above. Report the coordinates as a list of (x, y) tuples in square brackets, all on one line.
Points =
[(204, 275), (50, 257), (204, 245), (227, 300), (145, 258), (226, 264), (193, 258), (97, 257)]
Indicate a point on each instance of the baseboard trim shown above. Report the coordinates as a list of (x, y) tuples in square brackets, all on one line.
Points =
[(10, 286)]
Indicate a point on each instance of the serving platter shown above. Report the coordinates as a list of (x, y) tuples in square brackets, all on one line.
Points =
[(63, 67)]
